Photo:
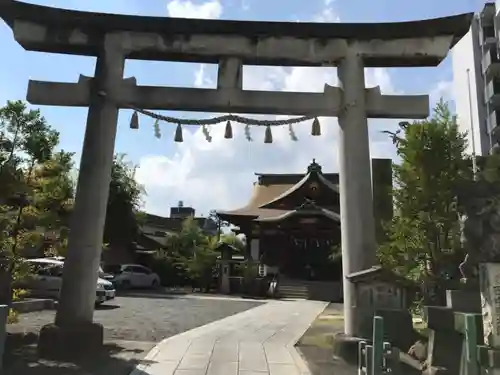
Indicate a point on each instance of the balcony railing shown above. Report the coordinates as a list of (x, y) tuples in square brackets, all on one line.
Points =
[(494, 125), (490, 64)]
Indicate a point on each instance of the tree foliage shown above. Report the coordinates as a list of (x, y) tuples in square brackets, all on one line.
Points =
[(423, 237), (35, 188), (125, 198), (235, 241), (191, 254)]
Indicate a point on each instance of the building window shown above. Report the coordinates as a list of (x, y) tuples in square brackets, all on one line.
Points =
[(488, 32)]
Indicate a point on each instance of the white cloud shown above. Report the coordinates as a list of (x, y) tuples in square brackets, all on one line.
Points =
[(189, 9), (444, 90), (245, 6), (220, 174), (327, 15), (201, 78)]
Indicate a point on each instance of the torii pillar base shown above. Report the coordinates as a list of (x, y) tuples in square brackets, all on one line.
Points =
[(70, 343), (345, 348)]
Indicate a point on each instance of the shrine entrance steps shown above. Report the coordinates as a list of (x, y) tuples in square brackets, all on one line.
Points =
[(329, 291), (293, 289)]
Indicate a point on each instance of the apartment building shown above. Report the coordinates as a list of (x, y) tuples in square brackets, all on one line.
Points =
[(476, 81)]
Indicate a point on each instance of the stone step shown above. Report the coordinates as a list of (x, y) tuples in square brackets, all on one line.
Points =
[(294, 287), (293, 291)]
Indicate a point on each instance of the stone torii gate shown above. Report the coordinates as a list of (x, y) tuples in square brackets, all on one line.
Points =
[(231, 44)]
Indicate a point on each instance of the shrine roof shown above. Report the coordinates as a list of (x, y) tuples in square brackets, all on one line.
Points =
[(291, 178), (309, 208), (261, 195), (93, 25), (314, 174), (273, 187), (252, 212), (377, 273)]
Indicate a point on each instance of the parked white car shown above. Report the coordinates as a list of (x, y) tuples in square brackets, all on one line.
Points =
[(102, 274), (46, 281), (133, 276)]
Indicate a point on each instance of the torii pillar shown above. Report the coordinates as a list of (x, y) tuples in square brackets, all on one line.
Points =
[(356, 208)]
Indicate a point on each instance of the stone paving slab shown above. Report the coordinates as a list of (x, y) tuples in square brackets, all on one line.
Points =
[(259, 341)]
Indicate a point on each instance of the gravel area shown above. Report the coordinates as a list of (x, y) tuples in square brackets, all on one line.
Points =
[(133, 325), (147, 318)]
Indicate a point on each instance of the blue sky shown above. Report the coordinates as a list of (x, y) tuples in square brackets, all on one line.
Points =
[(219, 175)]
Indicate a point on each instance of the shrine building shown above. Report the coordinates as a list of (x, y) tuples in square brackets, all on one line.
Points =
[(292, 221)]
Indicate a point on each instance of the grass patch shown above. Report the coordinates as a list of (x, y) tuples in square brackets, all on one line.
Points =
[(321, 332), (324, 341)]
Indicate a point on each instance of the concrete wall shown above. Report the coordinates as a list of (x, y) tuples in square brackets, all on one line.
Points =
[(467, 55)]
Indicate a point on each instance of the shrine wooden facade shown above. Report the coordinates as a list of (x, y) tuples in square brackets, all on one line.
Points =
[(292, 221)]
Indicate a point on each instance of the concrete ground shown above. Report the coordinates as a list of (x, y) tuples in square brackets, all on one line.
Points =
[(259, 341), (133, 325)]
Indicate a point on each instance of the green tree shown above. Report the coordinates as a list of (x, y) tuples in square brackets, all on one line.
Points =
[(219, 223), (26, 141), (125, 198), (54, 189), (194, 252), (235, 241), (423, 237)]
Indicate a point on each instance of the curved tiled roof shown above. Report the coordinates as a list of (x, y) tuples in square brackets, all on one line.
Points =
[(307, 178), (307, 209), (261, 195), (264, 195)]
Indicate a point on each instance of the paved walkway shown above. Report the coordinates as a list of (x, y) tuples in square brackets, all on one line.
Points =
[(258, 341)]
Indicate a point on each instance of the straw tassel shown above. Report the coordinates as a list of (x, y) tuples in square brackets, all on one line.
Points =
[(248, 136), (157, 129), (292, 134), (316, 128), (269, 135), (228, 134), (206, 133), (134, 121), (178, 133)]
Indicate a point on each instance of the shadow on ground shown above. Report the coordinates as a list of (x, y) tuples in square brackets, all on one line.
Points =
[(117, 358), (316, 345), (107, 307)]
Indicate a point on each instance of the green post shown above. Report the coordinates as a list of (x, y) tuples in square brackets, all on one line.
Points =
[(369, 360), (471, 359), (378, 346)]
